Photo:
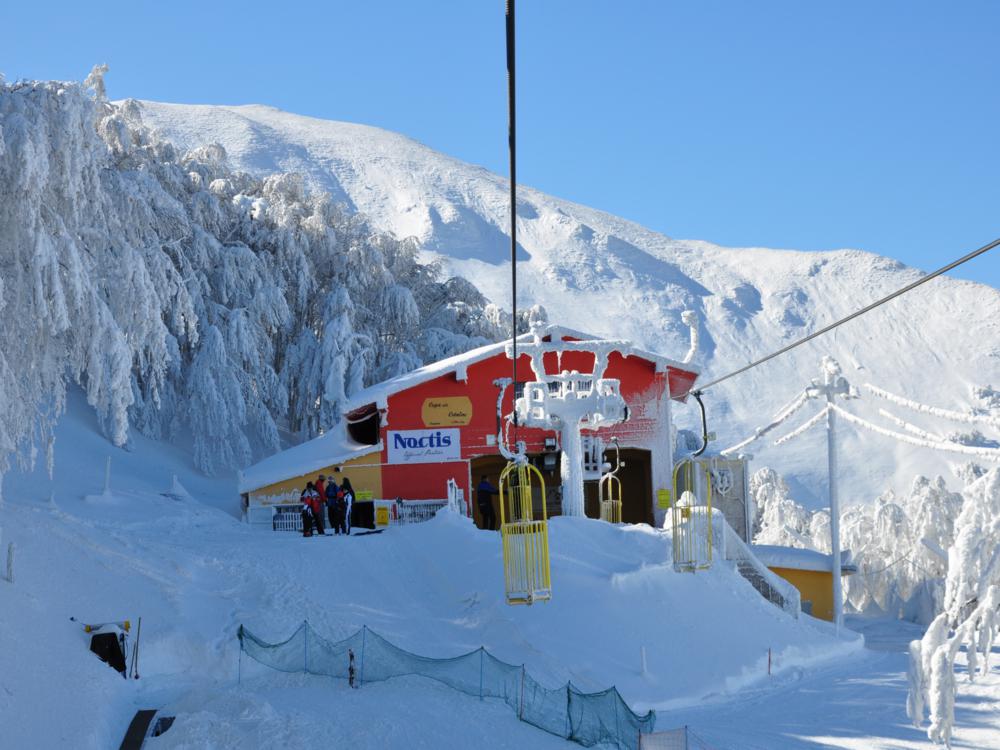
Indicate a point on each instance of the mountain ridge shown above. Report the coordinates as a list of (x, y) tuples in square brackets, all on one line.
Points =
[(611, 276)]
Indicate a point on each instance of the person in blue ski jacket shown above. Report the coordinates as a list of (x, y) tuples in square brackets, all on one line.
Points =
[(484, 496)]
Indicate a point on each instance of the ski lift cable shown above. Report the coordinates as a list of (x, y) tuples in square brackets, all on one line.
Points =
[(779, 418), (512, 145), (868, 308), (955, 416), (912, 428), (805, 426), (991, 453)]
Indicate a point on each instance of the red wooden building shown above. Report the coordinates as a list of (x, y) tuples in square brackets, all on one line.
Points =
[(407, 437)]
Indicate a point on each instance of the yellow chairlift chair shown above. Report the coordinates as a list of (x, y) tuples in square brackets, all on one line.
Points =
[(525, 539), (691, 517), (610, 490)]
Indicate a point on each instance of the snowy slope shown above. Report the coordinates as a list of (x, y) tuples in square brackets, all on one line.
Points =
[(194, 573), (612, 277)]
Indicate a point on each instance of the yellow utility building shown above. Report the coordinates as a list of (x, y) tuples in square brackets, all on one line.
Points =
[(809, 571)]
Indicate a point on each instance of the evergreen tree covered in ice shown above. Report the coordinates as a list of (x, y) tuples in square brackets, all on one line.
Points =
[(898, 544), (971, 615), (185, 297), (778, 519)]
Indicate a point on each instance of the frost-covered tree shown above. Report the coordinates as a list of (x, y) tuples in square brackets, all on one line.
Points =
[(899, 544), (971, 615), (185, 297), (778, 519)]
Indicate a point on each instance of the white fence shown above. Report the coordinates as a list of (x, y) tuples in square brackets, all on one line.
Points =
[(289, 517), (416, 511), (681, 738)]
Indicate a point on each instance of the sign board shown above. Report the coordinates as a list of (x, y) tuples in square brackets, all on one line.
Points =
[(663, 499), (364, 495), (423, 446), (382, 516), (447, 412)]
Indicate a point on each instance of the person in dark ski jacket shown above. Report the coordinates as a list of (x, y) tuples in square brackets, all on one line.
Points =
[(321, 489), (340, 511), (317, 509), (331, 501), (308, 516), (484, 496), (348, 491)]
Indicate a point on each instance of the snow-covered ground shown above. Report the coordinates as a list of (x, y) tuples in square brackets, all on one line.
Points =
[(194, 573), (611, 277), (857, 705)]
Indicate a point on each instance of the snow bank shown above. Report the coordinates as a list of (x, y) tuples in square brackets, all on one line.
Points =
[(799, 559), (194, 574)]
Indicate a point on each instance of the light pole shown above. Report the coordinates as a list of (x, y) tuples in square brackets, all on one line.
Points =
[(832, 384)]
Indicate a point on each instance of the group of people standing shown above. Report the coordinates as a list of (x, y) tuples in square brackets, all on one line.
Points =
[(324, 497)]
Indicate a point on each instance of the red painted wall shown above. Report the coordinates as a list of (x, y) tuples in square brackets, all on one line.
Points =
[(641, 386)]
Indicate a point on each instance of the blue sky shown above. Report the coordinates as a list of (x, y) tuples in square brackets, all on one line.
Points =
[(869, 125)]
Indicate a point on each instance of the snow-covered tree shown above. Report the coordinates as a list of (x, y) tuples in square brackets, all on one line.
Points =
[(183, 296), (778, 519), (971, 615)]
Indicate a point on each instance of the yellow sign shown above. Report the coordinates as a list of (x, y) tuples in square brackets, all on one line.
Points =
[(382, 516), (363, 495), (453, 411), (663, 499)]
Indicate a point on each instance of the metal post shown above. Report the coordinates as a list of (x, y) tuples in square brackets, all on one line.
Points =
[(481, 652), (305, 646), (364, 633), (831, 457), (520, 712)]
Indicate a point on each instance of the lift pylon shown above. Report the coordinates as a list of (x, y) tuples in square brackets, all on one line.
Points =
[(525, 539)]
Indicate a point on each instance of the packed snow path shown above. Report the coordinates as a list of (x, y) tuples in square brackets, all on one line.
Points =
[(859, 705)]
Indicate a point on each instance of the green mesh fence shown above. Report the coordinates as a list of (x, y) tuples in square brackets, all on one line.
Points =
[(587, 718)]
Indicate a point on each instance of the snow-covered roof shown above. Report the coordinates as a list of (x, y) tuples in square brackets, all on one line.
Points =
[(801, 559), (333, 447), (379, 393)]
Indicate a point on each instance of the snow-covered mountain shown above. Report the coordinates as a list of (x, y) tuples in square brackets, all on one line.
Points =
[(601, 273)]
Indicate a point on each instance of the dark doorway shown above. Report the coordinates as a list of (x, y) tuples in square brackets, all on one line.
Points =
[(491, 466), (637, 492)]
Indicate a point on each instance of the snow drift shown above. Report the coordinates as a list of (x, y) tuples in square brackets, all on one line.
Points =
[(195, 573)]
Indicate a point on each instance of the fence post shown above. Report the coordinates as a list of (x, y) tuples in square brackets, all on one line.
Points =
[(305, 646), (569, 721), (520, 712), (364, 633), (481, 652)]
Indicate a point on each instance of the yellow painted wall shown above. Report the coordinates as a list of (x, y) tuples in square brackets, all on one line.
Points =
[(364, 472), (814, 586)]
